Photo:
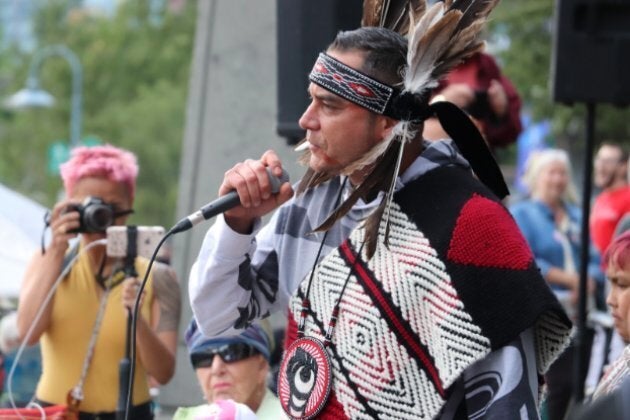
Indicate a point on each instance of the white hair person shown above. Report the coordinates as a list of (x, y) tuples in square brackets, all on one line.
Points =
[(539, 160)]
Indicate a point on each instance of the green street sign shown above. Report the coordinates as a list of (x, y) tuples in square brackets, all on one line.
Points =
[(58, 153), (91, 140)]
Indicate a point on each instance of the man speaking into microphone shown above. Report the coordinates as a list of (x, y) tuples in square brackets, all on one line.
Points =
[(405, 277)]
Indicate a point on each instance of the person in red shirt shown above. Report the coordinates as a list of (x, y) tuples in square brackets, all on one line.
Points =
[(611, 176), (478, 87)]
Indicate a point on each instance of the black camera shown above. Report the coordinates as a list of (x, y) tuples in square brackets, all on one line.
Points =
[(94, 215), (480, 107)]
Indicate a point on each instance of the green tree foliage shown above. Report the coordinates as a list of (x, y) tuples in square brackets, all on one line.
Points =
[(136, 66), (529, 26)]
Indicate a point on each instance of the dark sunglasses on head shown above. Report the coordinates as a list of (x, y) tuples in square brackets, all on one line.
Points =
[(229, 353)]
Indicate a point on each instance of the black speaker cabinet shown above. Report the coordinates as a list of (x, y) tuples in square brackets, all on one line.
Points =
[(591, 52), (304, 29)]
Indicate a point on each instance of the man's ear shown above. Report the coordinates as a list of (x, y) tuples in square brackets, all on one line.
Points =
[(386, 125)]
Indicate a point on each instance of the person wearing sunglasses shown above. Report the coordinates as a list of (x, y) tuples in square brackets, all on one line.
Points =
[(83, 329), (233, 368)]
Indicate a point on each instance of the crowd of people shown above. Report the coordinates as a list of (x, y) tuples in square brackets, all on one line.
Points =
[(410, 289)]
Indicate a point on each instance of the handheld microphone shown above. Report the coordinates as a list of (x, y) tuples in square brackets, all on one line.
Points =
[(224, 203)]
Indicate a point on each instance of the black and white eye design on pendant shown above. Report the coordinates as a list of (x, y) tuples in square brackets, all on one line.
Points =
[(305, 378), (301, 374)]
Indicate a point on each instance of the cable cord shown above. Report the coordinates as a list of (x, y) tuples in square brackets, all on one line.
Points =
[(38, 315), (132, 335)]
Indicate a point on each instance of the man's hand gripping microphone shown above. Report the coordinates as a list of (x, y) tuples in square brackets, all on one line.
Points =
[(223, 204)]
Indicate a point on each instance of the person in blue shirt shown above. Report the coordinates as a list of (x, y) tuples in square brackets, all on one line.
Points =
[(551, 223)]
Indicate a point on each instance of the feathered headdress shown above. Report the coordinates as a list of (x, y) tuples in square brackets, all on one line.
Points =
[(439, 38)]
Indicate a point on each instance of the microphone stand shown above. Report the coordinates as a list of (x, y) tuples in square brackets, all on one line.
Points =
[(124, 367), (581, 341)]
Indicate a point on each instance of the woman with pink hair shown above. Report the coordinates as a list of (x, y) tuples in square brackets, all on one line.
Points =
[(617, 263), (82, 330)]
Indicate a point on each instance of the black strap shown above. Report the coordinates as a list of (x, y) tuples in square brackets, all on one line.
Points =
[(70, 255), (46, 226), (132, 251), (471, 145)]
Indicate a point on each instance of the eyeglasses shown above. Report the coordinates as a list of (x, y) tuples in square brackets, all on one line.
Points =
[(229, 353)]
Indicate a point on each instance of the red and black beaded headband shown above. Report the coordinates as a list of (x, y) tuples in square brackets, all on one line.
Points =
[(367, 92), (380, 98)]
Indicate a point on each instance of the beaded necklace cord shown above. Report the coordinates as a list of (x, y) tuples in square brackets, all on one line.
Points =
[(306, 376), (306, 303)]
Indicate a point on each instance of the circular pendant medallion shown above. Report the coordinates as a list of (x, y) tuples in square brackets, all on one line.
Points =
[(305, 378)]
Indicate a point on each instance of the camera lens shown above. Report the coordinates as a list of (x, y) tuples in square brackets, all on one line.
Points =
[(98, 217)]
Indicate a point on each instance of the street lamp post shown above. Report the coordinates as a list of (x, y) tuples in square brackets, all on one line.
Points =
[(33, 96)]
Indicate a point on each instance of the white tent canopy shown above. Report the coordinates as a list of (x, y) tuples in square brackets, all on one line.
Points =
[(21, 226)]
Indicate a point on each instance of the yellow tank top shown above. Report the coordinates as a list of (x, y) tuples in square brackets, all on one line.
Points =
[(65, 342)]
